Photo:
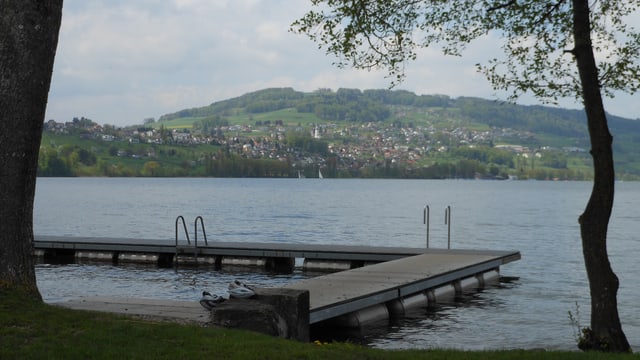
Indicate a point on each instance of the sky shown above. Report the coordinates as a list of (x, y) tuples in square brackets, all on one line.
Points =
[(120, 62)]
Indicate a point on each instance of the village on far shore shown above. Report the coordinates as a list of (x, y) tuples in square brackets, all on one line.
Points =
[(410, 142)]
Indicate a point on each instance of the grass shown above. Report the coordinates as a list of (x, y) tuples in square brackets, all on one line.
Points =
[(180, 123), (289, 116), (33, 330)]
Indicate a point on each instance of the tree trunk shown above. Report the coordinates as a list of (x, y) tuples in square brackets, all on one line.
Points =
[(606, 331), (28, 39)]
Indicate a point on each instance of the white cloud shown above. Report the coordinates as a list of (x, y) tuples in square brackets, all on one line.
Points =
[(121, 61)]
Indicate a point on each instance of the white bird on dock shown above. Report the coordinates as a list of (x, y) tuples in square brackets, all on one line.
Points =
[(237, 289), (208, 300), (237, 283)]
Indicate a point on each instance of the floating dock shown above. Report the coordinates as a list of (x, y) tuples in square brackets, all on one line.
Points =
[(391, 288), (280, 256), (369, 283)]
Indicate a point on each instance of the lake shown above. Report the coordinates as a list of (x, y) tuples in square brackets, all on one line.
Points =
[(537, 218)]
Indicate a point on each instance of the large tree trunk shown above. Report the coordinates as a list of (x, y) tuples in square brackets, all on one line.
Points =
[(28, 39), (606, 331)]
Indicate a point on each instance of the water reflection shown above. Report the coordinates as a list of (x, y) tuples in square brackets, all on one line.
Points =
[(452, 325), (432, 327)]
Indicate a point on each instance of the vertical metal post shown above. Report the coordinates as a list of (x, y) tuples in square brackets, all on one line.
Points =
[(447, 221), (425, 220)]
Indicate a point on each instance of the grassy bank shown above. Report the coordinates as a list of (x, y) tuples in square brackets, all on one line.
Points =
[(32, 330)]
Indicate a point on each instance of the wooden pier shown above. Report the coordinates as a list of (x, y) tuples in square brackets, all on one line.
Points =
[(433, 276), (378, 282), (166, 253)]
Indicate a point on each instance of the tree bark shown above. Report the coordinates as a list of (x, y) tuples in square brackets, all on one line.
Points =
[(28, 39), (606, 331)]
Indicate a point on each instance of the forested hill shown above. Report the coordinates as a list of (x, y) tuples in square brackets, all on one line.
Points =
[(535, 127), (344, 133), (354, 105)]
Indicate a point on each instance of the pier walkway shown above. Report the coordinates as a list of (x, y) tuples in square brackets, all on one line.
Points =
[(433, 275), (56, 246), (385, 281)]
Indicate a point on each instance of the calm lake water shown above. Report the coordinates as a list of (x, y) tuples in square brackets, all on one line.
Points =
[(537, 218)]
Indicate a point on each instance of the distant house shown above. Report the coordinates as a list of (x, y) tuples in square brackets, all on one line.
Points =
[(515, 148), (574, 149), (55, 127), (182, 138)]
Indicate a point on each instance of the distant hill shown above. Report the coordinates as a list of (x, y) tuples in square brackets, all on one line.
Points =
[(353, 105), (345, 133)]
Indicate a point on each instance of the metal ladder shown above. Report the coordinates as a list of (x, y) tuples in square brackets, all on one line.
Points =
[(181, 249), (447, 221)]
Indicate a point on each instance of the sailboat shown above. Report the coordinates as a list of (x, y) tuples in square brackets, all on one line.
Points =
[(320, 174)]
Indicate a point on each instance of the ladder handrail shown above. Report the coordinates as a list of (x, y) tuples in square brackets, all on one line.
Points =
[(195, 228), (179, 219), (184, 225), (425, 220), (186, 233), (447, 221)]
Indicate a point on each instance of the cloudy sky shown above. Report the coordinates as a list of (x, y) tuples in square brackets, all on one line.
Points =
[(121, 61)]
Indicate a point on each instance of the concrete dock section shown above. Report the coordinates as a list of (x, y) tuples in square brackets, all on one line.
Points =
[(349, 291)]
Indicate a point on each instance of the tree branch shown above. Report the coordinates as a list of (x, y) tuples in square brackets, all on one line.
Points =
[(550, 9), (502, 6)]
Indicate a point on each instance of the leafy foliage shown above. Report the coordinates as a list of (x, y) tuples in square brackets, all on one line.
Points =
[(210, 125), (538, 39)]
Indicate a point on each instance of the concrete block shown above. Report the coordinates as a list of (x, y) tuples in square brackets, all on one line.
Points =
[(94, 256), (190, 260), (139, 258), (326, 265), (467, 285), (442, 295), (243, 261), (277, 312), (400, 307), (491, 277), (362, 318)]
